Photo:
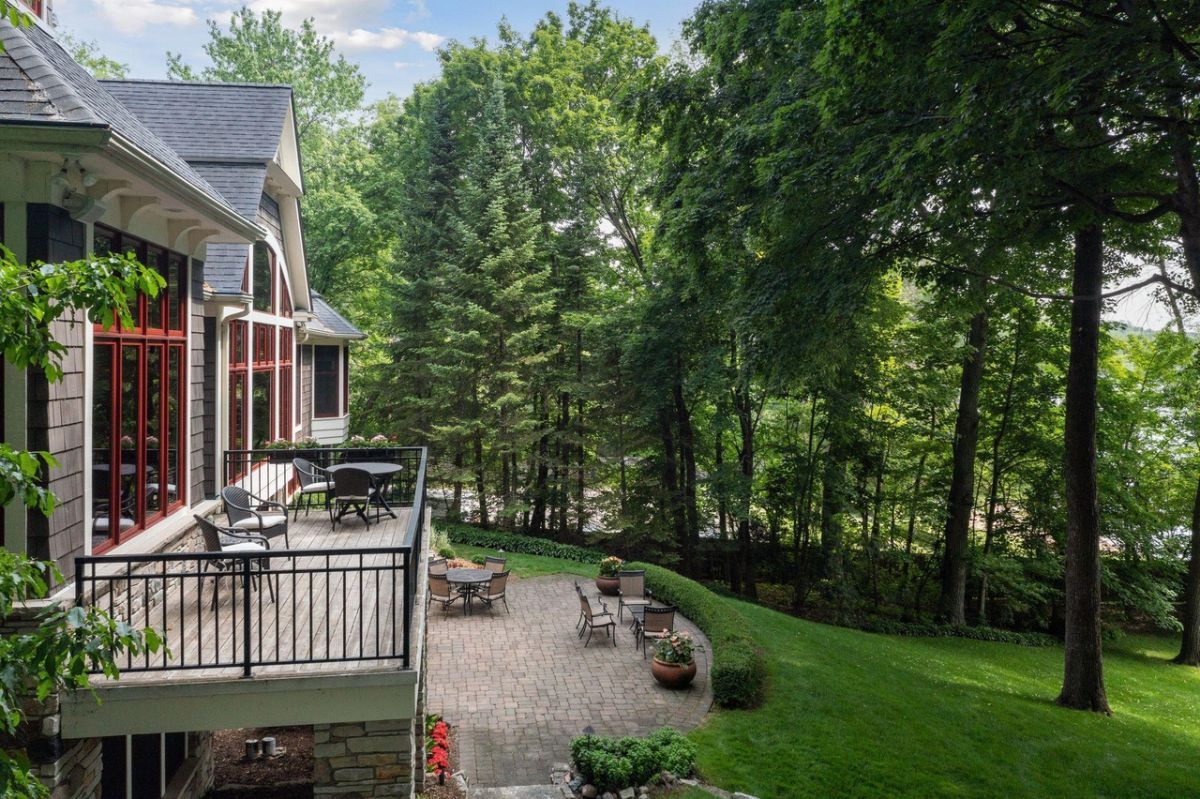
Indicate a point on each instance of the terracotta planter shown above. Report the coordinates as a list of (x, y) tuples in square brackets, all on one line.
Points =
[(609, 586), (673, 675)]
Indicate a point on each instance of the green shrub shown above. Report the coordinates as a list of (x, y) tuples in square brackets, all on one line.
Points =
[(446, 552), (615, 763), (459, 533), (738, 670), (923, 630)]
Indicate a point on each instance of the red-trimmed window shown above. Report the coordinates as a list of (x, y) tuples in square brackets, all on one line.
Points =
[(238, 383), (286, 418), (138, 424), (262, 262), (326, 381)]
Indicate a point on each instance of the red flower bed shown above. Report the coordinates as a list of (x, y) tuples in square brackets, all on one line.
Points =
[(438, 745)]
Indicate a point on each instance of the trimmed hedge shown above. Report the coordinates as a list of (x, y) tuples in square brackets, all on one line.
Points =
[(512, 542), (739, 672), (889, 627)]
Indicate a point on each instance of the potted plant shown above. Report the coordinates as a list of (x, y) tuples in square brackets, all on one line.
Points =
[(281, 450), (674, 664), (608, 583)]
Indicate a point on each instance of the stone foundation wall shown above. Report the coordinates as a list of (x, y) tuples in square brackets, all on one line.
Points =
[(70, 769), (357, 761)]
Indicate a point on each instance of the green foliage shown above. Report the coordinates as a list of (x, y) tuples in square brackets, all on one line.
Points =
[(63, 644), (55, 653), (738, 674), (258, 48), (616, 763), (511, 542), (891, 627), (86, 53)]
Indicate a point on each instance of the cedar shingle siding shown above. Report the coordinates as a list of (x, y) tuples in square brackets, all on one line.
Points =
[(56, 409), (197, 423)]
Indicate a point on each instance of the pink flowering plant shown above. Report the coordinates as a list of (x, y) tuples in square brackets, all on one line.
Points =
[(677, 648)]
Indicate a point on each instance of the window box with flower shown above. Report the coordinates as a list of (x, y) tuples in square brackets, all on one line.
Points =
[(608, 582), (674, 664)]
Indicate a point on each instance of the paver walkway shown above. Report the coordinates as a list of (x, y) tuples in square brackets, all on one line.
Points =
[(518, 687)]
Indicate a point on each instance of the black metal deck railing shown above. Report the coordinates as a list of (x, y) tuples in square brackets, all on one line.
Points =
[(269, 473), (246, 610)]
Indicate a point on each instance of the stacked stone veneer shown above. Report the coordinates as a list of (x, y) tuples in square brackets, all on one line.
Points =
[(373, 758), (70, 769)]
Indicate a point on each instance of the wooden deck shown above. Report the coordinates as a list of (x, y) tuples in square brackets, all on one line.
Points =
[(332, 613)]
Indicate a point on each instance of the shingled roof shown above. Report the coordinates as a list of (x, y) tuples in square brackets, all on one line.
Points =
[(211, 122), (329, 322), (40, 82)]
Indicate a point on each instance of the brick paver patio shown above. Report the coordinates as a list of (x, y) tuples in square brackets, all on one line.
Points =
[(518, 687)]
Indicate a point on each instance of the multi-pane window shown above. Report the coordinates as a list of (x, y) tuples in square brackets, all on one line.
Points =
[(263, 264), (327, 384), (137, 411), (261, 406)]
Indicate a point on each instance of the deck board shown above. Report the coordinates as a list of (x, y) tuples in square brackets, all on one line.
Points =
[(196, 632)]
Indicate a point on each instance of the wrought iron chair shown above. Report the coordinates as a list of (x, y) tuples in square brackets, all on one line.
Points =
[(593, 620), (229, 539), (352, 489), (439, 591), (314, 482), (632, 591), (255, 514), (437, 566), (494, 592), (657, 623), (495, 564)]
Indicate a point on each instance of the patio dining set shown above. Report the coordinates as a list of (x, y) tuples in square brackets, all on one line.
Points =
[(647, 621), (358, 488), (448, 584)]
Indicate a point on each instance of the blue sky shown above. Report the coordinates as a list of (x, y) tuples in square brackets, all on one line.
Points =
[(394, 41)]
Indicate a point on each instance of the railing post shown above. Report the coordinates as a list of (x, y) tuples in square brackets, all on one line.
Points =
[(245, 616)]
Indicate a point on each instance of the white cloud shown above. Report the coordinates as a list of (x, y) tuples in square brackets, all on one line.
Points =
[(419, 10), (326, 15), (134, 16), (388, 39)]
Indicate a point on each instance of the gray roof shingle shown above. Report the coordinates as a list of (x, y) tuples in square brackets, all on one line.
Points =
[(55, 89), (241, 184), (225, 122), (329, 321), (225, 267)]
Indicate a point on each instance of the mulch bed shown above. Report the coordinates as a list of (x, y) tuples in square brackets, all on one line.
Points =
[(287, 776)]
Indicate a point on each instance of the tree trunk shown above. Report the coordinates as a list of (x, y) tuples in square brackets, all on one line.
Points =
[(687, 454), (1189, 652), (952, 601), (989, 523), (480, 493), (745, 559), (538, 521), (670, 476), (1083, 672), (456, 503)]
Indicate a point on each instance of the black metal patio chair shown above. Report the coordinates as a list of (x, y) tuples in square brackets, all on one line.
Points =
[(231, 540), (314, 483), (254, 514)]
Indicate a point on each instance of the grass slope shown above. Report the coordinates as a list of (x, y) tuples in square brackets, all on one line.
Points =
[(857, 714)]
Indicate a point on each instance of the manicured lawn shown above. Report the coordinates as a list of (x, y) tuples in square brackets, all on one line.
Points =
[(856, 714), (850, 713), (528, 565)]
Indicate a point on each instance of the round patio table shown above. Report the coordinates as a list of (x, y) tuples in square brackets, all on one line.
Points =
[(381, 473), (468, 581)]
